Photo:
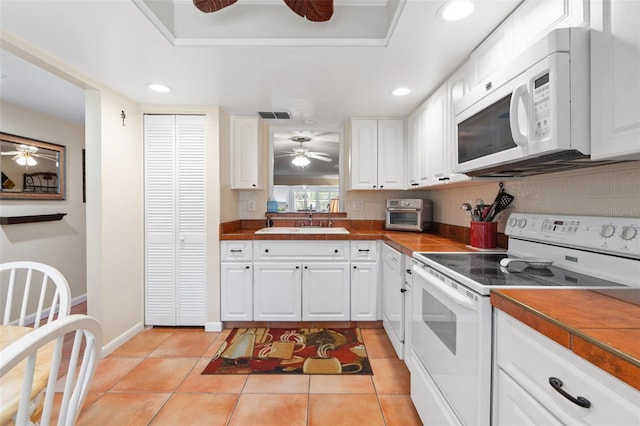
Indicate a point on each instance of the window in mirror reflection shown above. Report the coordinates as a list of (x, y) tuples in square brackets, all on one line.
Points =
[(306, 169), (306, 198)]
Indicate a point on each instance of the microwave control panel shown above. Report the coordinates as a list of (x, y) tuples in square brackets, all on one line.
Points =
[(542, 106)]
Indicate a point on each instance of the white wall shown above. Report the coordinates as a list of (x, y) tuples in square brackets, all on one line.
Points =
[(61, 244), (114, 214)]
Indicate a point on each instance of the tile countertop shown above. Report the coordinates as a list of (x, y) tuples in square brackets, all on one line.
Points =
[(406, 242), (601, 326)]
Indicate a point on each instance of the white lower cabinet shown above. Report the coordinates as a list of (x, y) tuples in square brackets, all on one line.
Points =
[(236, 291), (532, 372), (236, 280), (310, 291), (277, 291), (277, 280), (325, 291), (364, 291), (301, 281)]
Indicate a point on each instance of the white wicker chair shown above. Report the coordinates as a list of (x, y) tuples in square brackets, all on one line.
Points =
[(85, 355), (36, 282)]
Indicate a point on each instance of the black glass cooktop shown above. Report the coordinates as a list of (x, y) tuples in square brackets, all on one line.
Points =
[(484, 269)]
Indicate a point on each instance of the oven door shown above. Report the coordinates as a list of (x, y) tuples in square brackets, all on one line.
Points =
[(403, 219), (451, 341)]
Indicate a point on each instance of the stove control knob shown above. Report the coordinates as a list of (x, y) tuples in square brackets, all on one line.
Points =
[(522, 223), (512, 222), (628, 233), (607, 231)]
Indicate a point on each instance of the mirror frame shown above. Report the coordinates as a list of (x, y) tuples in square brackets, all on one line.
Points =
[(62, 184), (341, 160)]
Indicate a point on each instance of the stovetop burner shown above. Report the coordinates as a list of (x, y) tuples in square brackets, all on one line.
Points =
[(485, 269)]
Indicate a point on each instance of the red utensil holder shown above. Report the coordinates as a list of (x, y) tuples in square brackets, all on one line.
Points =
[(484, 234)]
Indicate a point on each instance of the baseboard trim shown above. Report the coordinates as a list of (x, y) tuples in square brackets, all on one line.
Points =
[(213, 326), (121, 339)]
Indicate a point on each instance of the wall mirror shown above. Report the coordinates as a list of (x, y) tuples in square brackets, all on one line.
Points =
[(31, 169), (306, 170)]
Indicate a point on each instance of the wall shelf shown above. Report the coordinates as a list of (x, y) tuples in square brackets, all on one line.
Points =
[(12, 220)]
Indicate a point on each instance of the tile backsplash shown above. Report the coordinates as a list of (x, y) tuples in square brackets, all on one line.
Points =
[(610, 190)]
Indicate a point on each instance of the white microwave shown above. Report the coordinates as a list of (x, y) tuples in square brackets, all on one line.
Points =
[(531, 116)]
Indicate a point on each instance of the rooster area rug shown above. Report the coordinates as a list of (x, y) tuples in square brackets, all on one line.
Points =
[(291, 351)]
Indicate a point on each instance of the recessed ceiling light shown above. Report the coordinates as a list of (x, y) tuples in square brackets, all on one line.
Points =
[(400, 91), (159, 88), (454, 10)]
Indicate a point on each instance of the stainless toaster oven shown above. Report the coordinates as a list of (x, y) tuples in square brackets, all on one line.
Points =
[(409, 214)]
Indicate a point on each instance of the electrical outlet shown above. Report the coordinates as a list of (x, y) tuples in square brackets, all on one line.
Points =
[(358, 206), (251, 205)]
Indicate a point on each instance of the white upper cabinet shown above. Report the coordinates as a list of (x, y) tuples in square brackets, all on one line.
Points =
[(436, 168), (615, 80), (527, 24), (377, 154), (413, 161), (245, 153), (433, 134)]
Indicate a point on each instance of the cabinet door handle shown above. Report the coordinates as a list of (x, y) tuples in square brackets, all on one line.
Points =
[(247, 267), (381, 186), (236, 251), (364, 250), (266, 250), (297, 267), (408, 271), (578, 400), (355, 267), (403, 290), (306, 267), (335, 251)]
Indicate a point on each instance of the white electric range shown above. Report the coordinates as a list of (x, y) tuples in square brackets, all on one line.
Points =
[(452, 315)]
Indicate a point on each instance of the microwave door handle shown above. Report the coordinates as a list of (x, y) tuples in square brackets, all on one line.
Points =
[(520, 92)]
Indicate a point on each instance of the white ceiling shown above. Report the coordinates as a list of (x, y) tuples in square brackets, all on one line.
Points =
[(115, 43)]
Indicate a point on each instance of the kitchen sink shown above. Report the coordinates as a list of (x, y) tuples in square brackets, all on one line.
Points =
[(301, 230)]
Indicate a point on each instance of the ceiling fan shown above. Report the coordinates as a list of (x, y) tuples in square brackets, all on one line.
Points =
[(313, 10), (25, 155), (302, 155)]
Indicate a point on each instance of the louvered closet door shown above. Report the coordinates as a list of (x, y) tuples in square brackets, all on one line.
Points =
[(191, 209), (175, 279), (160, 219)]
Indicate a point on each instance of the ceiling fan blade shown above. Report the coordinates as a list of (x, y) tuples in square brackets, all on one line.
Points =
[(11, 152), (16, 157), (315, 11), (208, 6), (287, 155), (317, 157), (45, 157), (324, 154)]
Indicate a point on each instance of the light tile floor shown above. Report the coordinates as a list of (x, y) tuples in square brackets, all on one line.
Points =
[(154, 379)]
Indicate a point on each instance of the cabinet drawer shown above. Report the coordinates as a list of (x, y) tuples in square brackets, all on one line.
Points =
[(364, 250), (531, 359), (235, 250), (301, 250)]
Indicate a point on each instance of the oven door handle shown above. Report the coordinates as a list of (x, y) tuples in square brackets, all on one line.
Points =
[(402, 209), (445, 289)]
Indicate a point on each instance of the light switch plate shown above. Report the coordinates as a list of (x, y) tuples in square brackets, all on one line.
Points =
[(251, 205), (358, 205)]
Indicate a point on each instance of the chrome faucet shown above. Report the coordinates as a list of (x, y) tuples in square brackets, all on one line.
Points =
[(310, 217)]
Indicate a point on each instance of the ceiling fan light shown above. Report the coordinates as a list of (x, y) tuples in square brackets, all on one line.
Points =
[(22, 161), (31, 161), (300, 161)]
